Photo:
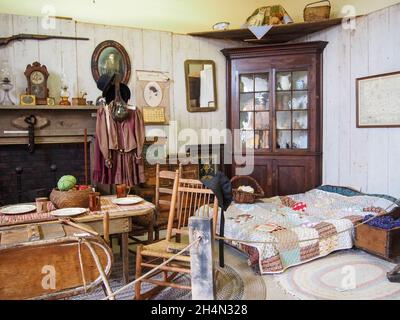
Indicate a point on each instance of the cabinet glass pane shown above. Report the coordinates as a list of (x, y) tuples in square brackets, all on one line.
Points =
[(300, 100), (284, 139), (283, 101), (261, 82), (246, 101), (247, 139), (254, 105), (262, 120), (284, 81), (300, 80), (300, 139), (283, 120), (247, 120), (300, 120), (247, 83), (262, 101), (261, 140)]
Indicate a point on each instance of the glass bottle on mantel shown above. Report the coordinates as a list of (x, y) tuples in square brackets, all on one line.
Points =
[(5, 83), (64, 94), (119, 108)]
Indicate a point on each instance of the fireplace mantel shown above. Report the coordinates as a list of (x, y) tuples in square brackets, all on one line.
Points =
[(45, 107), (66, 124), (58, 129)]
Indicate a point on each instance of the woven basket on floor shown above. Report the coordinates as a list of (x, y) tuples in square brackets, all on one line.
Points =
[(318, 13), (71, 198), (242, 196)]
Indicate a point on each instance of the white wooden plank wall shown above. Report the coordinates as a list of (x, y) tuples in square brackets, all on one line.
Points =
[(365, 158), (147, 49)]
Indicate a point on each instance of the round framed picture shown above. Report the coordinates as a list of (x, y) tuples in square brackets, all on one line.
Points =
[(110, 57), (153, 94)]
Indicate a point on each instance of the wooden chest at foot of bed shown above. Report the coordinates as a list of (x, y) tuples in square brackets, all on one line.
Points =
[(380, 242)]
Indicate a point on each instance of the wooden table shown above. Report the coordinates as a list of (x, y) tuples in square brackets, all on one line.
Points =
[(120, 222)]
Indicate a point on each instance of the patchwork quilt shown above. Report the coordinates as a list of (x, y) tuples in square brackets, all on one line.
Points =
[(298, 228)]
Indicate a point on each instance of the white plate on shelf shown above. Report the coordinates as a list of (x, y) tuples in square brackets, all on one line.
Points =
[(68, 212), (126, 201), (18, 209)]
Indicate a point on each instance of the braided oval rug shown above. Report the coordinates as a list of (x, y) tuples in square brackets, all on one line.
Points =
[(347, 275)]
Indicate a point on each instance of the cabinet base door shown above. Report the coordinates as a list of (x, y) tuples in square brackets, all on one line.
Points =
[(295, 176)]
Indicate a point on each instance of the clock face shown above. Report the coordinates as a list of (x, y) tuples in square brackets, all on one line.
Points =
[(37, 77)]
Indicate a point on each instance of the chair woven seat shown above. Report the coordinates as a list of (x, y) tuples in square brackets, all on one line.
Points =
[(161, 249)]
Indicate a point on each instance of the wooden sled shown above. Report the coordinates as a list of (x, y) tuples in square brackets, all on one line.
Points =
[(51, 261)]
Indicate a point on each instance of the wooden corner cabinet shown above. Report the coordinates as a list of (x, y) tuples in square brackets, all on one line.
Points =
[(274, 106)]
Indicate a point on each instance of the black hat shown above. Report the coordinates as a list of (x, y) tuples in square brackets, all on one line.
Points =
[(222, 188), (105, 84)]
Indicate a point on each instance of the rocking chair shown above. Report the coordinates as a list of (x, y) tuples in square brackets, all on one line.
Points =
[(189, 198)]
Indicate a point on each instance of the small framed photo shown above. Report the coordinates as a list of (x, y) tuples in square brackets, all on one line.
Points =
[(27, 100), (51, 101)]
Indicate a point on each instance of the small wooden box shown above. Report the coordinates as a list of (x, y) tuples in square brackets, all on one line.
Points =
[(78, 101), (380, 242)]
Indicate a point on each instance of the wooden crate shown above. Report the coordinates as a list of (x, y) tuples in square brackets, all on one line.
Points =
[(379, 242)]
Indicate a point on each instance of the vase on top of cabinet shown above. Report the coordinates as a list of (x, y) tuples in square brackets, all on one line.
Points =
[(274, 105)]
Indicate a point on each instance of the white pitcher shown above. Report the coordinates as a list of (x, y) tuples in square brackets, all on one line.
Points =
[(285, 82)]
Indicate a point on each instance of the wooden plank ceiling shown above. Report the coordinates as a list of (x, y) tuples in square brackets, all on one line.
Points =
[(277, 34)]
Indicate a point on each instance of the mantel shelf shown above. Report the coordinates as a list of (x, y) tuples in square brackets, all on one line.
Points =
[(45, 107), (277, 34)]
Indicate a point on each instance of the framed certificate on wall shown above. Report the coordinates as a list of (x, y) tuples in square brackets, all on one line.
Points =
[(378, 101)]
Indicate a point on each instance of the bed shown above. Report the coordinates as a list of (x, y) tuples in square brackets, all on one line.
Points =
[(299, 228)]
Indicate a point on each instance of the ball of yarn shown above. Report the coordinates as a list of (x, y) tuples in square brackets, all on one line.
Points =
[(66, 183)]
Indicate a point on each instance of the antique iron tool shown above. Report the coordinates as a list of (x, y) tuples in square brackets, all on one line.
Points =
[(31, 121)]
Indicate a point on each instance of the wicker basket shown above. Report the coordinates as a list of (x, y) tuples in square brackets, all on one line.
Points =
[(71, 198), (318, 13), (242, 196)]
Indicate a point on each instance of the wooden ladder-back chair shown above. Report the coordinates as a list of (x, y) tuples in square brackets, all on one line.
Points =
[(162, 200), (189, 198)]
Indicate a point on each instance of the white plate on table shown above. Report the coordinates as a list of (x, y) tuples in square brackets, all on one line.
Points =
[(127, 201), (18, 209), (68, 212)]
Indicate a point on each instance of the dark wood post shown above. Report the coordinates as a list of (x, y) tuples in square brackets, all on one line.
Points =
[(201, 258)]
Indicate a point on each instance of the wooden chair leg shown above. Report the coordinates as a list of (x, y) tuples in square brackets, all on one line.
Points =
[(120, 245), (150, 231), (165, 274), (157, 234), (138, 285)]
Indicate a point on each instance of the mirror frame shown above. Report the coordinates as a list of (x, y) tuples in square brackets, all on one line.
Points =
[(200, 109)]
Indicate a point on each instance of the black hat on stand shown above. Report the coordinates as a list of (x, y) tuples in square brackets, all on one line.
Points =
[(105, 84), (222, 188)]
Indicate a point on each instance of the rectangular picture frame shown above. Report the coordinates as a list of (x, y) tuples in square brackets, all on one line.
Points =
[(378, 101)]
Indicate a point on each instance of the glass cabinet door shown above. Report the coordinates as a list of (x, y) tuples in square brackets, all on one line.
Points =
[(254, 111), (291, 105)]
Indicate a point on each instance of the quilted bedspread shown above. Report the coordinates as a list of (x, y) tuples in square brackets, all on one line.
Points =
[(297, 228)]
